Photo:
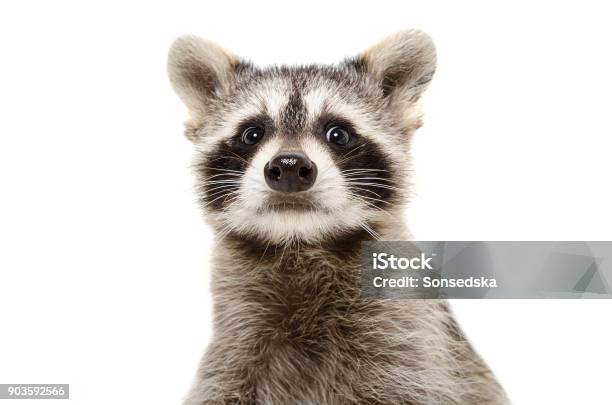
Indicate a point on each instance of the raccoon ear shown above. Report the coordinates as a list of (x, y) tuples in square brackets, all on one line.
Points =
[(200, 72), (403, 64)]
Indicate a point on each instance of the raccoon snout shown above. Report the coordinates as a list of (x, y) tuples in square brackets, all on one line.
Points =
[(290, 172)]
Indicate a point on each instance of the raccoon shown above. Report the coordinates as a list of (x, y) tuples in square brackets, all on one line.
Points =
[(296, 166)]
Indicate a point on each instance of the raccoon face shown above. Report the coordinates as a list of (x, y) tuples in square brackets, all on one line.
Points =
[(305, 153)]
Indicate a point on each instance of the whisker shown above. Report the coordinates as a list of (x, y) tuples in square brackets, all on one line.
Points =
[(225, 181), (226, 230), (363, 169), (369, 191), (375, 199), (224, 170), (353, 178), (236, 157), (240, 157), (217, 188), (370, 231), (221, 196), (345, 157), (226, 174), (219, 192), (368, 201), (374, 185), (370, 205)]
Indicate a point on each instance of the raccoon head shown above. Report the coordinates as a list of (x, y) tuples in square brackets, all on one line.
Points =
[(302, 153)]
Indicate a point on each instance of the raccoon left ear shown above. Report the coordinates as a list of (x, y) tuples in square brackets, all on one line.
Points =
[(201, 72), (403, 64)]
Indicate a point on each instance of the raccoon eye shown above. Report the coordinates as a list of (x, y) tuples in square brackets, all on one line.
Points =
[(338, 135), (252, 135)]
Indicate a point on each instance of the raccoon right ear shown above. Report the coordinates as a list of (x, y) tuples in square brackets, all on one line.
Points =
[(402, 64), (200, 72)]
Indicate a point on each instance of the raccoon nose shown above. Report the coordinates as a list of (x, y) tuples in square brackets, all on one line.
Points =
[(290, 172)]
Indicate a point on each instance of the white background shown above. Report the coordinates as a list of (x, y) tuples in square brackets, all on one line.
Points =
[(103, 253)]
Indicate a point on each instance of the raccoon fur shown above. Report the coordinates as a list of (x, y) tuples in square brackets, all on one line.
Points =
[(295, 167)]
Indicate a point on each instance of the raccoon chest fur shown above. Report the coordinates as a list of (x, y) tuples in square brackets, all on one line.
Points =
[(295, 322), (293, 329), (306, 303)]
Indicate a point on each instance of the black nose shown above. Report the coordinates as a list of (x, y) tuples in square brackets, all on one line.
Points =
[(290, 172)]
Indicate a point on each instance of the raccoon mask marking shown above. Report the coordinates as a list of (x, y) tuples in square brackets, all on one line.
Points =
[(306, 153)]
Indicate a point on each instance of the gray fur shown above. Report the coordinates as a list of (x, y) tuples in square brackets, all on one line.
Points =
[(290, 325)]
